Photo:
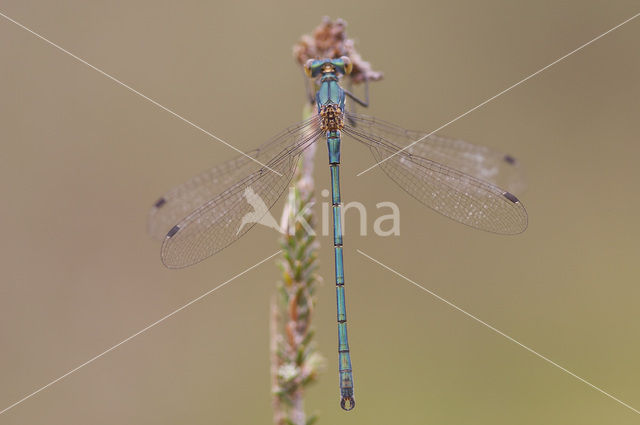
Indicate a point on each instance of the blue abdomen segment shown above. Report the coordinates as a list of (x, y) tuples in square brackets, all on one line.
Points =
[(333, 144), (344, 357), (337, 230), (335, 184), (341, 309)]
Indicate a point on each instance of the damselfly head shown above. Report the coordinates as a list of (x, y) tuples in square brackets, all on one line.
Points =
[(316, 67)]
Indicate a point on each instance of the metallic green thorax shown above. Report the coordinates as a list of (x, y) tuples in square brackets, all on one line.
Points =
[(330, 92)]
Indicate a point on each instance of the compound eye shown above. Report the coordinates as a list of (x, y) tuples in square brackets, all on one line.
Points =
[(307, 67), (348, 65)]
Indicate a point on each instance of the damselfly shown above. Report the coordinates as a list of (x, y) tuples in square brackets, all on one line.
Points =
[(460, 180)]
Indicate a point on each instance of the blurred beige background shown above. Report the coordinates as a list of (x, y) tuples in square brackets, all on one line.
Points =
[(83, 159)]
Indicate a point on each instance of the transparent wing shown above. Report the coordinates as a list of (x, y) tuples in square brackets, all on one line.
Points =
[(478, 161), (184, 199), (453, 193), (229, 213)]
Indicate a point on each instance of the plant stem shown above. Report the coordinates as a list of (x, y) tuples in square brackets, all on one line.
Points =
[(295, 363)]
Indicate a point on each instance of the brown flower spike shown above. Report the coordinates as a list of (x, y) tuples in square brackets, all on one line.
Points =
[(329, 40)]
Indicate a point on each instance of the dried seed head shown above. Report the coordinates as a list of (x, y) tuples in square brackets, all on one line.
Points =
[(329, 40)]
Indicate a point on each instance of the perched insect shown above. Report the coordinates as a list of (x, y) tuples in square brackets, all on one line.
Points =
[(460, 180)]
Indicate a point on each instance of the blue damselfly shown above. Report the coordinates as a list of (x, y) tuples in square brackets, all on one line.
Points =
[(469, 183)]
